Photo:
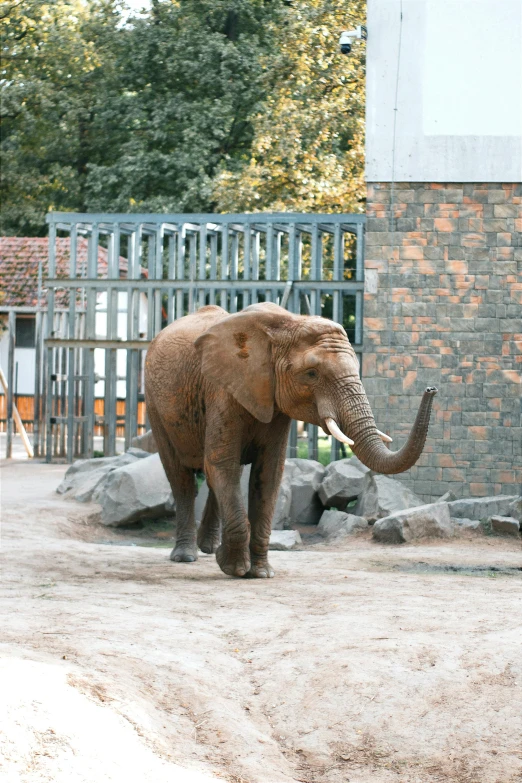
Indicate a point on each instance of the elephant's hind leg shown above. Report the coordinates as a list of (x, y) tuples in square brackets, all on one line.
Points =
[(183, 484), (209, 533)]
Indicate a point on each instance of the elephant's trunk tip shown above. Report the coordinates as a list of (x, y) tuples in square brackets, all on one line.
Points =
[(431, 390)]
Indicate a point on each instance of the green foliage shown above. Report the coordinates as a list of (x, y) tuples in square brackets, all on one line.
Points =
[(199, 105), (308, 146)]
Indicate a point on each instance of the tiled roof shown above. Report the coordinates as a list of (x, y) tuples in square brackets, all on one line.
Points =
[(19, 261)]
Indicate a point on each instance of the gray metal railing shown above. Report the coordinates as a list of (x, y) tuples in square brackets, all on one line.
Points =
[(140, 272)]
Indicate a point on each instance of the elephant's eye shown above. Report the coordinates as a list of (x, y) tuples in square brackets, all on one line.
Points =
[(311, 373)]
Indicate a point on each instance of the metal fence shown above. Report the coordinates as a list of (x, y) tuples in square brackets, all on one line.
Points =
[(157, 268)]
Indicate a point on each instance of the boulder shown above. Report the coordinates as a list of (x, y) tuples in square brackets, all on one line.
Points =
[(482, 508), (382, 496), (303, 476), (515, 508), (139, 453), (85, 490), (295, 466), (429, 521), (336, 524), (343, 481), (447, 497), (505, 525), (145, 442), (284, 539), (133, 492), (84, 475), (463, 525)]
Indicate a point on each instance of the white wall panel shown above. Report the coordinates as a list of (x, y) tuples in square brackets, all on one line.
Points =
[(459, 91)]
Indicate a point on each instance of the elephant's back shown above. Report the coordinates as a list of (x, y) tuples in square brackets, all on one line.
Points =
[(189, 328), (172, 366)]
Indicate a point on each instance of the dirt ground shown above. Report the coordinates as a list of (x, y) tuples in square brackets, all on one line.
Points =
[(362, 662)]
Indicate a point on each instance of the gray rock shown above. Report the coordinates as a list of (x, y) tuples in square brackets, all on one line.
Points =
[(77, 480), (134, 492), (515, 508), (303, 477), (482, 508), (139, 453), (145, 442), (295, 466), (430, 521), (505, 525), (336, 524), (284, 539), (382, 496), (343, 481), (281, 517), (447, 497), (355, 462), (92, 481), (464, 525)]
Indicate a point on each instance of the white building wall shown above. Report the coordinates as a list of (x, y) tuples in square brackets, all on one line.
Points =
[(458, 91), (25, 359)]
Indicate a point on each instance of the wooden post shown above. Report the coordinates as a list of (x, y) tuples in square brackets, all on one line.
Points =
[(17, 420)]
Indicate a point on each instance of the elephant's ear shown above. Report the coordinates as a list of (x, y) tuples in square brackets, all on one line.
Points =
[(236, 354)]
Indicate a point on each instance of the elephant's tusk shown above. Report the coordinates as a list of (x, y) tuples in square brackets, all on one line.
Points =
[(384, 437), (336, 432)]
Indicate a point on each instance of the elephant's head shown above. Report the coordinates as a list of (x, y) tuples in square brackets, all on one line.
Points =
[(305, 366)]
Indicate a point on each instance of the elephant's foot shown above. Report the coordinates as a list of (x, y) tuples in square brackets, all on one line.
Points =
[(260, 569), (234, 562), (208, 539), (184, 553)]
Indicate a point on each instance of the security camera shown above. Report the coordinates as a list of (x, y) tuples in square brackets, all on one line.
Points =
[(348, 36)]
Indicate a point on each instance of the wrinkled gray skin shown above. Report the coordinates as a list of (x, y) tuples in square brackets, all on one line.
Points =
[(221, 391)]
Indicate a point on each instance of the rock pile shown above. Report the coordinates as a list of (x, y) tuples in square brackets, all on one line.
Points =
[(342, 499)]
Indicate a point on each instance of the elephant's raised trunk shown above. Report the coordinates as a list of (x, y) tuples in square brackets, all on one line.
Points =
[(357, 421)]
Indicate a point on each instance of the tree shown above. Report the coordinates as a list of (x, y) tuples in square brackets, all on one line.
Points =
[(57, 62), (199, 105), (190, 81), (307, 153)]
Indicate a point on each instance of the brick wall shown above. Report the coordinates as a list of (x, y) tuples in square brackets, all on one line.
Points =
[(455, 317)]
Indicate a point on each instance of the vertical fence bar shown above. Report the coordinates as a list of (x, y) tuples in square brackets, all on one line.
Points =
[(158, 297), (73, 264), (193, 272), (90, 329), (11, 325), (180, 309), (359, 276), (269, 258), (171, 274), (213, 266), (234, 271), (49, 358), (37, 382), (337, 272), (224, 263), (202, 272), (247, 250)]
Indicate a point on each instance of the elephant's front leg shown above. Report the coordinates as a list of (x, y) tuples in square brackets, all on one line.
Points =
[(233, 555), (265, 479)]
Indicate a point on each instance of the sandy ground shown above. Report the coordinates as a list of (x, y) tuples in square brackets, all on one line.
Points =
[(359, 663)]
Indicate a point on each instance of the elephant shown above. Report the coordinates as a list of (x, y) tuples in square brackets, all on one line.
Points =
[(221, 390)]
